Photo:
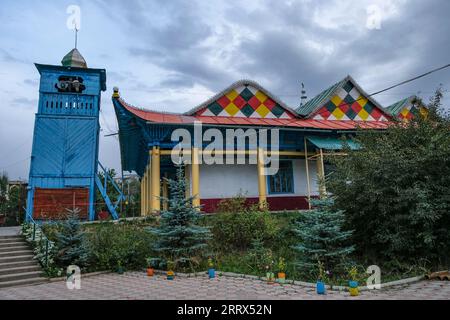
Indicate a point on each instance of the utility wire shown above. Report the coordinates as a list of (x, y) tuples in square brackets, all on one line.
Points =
[(412, 79)]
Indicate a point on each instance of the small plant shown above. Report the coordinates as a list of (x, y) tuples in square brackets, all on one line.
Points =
[(321, 277), (170, 268), (211, 270), (210, 263), (353, 283), (152, 262), (281, 265), (353, 273)]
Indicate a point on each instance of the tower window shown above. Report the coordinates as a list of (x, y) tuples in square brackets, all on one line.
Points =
[(72, 84)]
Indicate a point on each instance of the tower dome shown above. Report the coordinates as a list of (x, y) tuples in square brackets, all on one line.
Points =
[(74, 59)]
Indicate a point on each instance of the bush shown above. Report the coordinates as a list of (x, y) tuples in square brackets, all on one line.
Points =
[(259, 258), (237, 230), (114, 245), (395, 189)]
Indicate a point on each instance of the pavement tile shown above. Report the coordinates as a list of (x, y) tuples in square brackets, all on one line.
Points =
[(136, 285)]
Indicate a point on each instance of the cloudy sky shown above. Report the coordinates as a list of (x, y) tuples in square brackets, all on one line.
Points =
[(172, 55)]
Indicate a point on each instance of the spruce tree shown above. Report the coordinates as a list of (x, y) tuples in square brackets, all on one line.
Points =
[(321, 236), (179, 237), (71, 246)]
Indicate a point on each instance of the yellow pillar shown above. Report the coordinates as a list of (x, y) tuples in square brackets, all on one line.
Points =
[(148, 188), (165, 192), (261, 179), (155, 178), (187, 174), (307, 174), (143, 194), (195, 176), (321, 173)]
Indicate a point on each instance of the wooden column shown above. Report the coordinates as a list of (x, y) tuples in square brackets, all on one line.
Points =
[(321, 173), (165, 192), (155, 181), (195, 176), (187, 175), (307, 174), (148, 189), (143, 195), (262, 186)]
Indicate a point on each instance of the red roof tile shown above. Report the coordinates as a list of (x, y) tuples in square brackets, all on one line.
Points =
[(161, 117)]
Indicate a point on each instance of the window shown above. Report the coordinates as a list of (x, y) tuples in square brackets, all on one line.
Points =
[(283, 181)]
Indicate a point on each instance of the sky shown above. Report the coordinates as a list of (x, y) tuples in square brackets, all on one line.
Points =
[(173, 55)]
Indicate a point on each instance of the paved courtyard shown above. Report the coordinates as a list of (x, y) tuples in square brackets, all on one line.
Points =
[(136, 285)]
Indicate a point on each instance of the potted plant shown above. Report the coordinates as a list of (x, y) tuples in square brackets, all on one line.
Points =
[(211, 270), (152, 263), (320, 285), (281, 270), (353, 283), (170, 268), (120, 268)]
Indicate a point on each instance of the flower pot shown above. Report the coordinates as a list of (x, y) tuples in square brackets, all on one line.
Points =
[(120, 270), (320, 287), (270, 277), (150, 272), (211, 273), (170, 275), (281, 277), (353, 288)]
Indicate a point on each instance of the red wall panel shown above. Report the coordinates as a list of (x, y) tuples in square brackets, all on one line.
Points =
[(52, 203), (275, 203)]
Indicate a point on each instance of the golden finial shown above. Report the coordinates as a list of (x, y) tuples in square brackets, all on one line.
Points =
[(116, 93)]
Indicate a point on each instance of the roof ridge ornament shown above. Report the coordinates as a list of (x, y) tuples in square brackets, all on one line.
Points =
[(116, 92), (303, 95), (74, 57)]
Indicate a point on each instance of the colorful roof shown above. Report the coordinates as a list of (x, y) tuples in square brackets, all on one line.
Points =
[(158, 117), (344, 101), (407, 108), (244, 99)]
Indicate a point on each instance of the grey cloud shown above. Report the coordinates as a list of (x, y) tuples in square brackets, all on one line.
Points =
[(25, 102)]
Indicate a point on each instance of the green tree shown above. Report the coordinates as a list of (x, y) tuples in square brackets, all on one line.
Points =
[(179, 237), (71, 245), (395, 189), (3, 195), (321, 236)]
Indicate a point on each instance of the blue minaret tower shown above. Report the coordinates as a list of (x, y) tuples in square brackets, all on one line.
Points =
[(64, 156)]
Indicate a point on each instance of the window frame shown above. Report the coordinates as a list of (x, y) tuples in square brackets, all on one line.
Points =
[(290, 174)]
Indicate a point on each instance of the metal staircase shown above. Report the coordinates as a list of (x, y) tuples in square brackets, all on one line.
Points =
[(103, 188)]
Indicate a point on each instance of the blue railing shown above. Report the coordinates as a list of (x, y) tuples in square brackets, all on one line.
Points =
[(44, 244), (103, 188)]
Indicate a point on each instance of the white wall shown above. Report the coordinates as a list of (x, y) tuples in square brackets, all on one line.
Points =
[(226, 181)]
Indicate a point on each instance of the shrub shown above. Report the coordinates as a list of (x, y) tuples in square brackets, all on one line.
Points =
[(395, 189), (260, 258), (237, 230), (122, 244), (235, 204)]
